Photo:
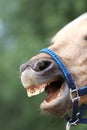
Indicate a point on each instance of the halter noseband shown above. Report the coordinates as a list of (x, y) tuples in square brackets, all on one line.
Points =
[(77, 110)]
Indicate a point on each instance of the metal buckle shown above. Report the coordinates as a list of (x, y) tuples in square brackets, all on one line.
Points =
[(69, 123), (74, 94)]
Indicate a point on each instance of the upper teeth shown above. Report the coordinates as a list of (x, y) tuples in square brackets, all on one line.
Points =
[(34, 90)]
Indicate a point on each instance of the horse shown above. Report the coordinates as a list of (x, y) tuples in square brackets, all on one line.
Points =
[(42, 74)]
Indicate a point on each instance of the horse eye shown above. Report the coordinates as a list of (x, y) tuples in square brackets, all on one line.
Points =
[(85, 37)]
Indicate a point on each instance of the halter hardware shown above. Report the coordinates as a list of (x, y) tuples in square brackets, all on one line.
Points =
[(75, 93)]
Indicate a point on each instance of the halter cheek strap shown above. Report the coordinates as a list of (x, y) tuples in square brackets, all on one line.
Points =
[(77, 111)]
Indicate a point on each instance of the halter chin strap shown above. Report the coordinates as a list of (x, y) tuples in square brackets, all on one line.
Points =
[(75, 93)]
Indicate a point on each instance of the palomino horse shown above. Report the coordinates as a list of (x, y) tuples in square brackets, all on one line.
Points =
[(41, 73)]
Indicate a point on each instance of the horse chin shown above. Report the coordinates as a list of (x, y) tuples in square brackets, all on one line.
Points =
[(59, 105)]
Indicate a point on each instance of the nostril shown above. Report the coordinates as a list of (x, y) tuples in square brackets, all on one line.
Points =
[(40, 65), (23, 67), (37, 65)]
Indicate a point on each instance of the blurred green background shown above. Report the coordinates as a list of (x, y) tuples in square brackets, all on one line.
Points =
[(26, 26)]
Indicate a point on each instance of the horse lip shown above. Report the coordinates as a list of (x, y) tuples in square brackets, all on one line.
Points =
[(55, 106)]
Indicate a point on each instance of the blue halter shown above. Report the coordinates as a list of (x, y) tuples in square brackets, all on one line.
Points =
[(77, 110)]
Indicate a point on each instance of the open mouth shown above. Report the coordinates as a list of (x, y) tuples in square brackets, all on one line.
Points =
[(52, 89)]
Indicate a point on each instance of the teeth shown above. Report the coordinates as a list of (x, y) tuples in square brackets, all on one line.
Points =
[(32, 91)]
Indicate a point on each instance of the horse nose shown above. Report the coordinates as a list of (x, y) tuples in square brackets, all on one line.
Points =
[(37, 65), (41, 65)]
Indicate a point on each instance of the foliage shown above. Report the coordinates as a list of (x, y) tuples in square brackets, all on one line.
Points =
[(25, 27)]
